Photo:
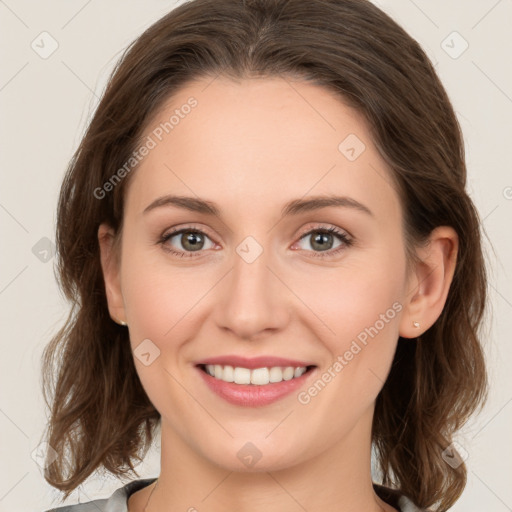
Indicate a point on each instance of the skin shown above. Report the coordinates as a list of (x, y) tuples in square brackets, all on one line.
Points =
[(250, 147)]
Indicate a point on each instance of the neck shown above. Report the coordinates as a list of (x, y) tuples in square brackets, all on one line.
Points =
[(338, 478)]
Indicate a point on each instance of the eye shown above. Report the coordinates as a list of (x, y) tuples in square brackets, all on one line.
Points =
[(322, 240), (189, 240)]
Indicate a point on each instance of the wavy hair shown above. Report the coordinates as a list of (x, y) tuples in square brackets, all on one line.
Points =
[(100, 415)]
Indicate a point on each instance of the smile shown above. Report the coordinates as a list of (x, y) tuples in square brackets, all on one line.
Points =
[(257, 376), (254, 387)]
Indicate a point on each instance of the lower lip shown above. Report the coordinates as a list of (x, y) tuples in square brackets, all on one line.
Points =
[(250, 395)]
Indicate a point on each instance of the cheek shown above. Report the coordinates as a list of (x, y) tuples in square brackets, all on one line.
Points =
[(359, 305), (365, 318), (159, 304), (352, 297), (158, 296), (152, 301)]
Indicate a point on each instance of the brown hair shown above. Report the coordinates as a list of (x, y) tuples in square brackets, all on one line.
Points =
[(100, 414)]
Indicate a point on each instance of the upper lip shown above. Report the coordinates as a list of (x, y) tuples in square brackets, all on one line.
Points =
[(253, 362)]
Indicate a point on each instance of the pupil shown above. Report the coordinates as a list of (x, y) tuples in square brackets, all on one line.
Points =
[(321, 241), (192, 238)]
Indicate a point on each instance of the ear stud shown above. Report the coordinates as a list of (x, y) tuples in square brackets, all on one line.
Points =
[(119, 322), (416, 324)]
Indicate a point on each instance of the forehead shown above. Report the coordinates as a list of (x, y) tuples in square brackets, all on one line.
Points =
[(262, 139)]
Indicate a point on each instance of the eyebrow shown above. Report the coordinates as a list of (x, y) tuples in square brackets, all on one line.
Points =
[(294, 207)]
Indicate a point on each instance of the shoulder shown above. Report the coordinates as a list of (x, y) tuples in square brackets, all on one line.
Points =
[(90, 506), (396, 499), (406, 505), (117, 502)]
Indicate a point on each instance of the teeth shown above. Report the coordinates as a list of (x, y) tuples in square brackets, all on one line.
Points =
[(276, 374), (242, 376), (258, 376)]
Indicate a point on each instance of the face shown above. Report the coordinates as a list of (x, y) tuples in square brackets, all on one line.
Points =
[(270, 273)]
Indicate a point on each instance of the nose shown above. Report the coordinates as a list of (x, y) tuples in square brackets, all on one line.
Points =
[(253, 302)]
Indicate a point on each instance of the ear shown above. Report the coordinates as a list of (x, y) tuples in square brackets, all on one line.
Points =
[(110, 266), (430, 282)]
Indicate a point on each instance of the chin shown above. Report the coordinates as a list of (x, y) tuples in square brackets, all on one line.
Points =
[(243, 455)]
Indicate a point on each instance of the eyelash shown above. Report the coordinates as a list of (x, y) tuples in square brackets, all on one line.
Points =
[(346, 241)]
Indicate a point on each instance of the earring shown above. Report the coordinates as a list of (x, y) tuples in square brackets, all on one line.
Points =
[(416, 324), (119, 322)]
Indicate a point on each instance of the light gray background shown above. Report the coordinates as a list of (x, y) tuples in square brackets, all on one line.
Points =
[(45, 104)]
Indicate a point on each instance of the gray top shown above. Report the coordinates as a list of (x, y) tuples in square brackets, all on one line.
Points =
[(118, 501)]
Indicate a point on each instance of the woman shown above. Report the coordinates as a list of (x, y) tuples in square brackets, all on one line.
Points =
[(271, 255)]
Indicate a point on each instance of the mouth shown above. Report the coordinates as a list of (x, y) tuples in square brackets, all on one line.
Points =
[(255, 387), (256, 376)]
